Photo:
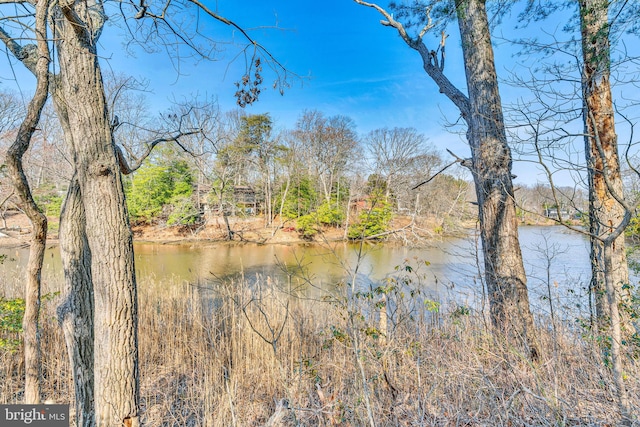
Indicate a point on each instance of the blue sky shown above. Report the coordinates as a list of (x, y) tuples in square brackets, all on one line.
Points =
[(348, 64)]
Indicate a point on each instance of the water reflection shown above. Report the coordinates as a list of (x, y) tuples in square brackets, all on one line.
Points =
[(453, 264)]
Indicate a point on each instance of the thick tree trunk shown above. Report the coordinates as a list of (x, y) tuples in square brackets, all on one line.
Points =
[(38, 62), (608, 211), (491, 168), (108, 233), (601, 149), (75, 314)]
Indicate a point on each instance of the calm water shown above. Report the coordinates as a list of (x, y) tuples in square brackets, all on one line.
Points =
[(452, 269)]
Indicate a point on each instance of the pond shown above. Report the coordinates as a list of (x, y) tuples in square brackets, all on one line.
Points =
[(555, 259)]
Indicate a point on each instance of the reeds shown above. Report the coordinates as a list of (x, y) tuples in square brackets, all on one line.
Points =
[(259, 353)]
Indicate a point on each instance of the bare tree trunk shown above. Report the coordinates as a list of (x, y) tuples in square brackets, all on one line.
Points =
[(491, 168), (616, 334), (75, 314), (609, 212), (605, 212), (38, 63), (78, 26)]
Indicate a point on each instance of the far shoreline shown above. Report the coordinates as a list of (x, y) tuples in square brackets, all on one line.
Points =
[(253, 231)]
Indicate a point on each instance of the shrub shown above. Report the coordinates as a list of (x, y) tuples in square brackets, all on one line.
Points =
[(183, 211), (298, 200), (329, 214), (308, 226), (373, 221), (11, 313), (50, 203)]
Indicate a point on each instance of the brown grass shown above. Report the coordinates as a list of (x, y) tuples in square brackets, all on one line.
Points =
[(225, 354)]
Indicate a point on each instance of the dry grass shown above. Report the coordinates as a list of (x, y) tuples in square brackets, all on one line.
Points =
[(229, 354)]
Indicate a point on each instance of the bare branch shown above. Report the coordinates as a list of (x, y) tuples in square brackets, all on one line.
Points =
[(28, 54), (125, 169), (391, 22), (429, 58), (463, 162)]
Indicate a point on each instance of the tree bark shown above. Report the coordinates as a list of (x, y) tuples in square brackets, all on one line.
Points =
[(37, 61), (605, 212), (75, 314), (616, 334), (491, 167), (609, 212), (78, 26)]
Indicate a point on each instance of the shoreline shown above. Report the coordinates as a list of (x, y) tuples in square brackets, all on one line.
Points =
[(403, 231)]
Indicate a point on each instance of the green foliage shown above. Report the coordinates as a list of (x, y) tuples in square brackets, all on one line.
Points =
[(633, 230), (255, 131), (340, 191), (299, 200), (373, 221), (376, 185), (432, 306), (330, 214), (49, 203), (11, 313), (327, 214), (156, 185), (183, 211), (307, 226)]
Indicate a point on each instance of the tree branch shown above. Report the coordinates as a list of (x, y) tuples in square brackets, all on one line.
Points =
[(463, 162), (28, 54), (429, 58), (125, 169)]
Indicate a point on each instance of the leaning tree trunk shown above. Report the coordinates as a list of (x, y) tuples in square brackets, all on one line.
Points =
[(78, 27), (601, 150), (37, 61), (491, 168)]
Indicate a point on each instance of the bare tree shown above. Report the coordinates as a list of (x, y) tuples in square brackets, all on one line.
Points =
[(36, 58), (331, 143), (589, 97), (606, 211), (490, 161), (394, 152)]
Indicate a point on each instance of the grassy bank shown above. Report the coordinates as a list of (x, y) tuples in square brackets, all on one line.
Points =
[(253, 354)]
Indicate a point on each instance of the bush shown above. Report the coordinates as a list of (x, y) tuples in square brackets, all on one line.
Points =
[(299, 199), (373, 221), (183, 211), (49, 204), (11, 313), (329, 214), (308, 226)]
